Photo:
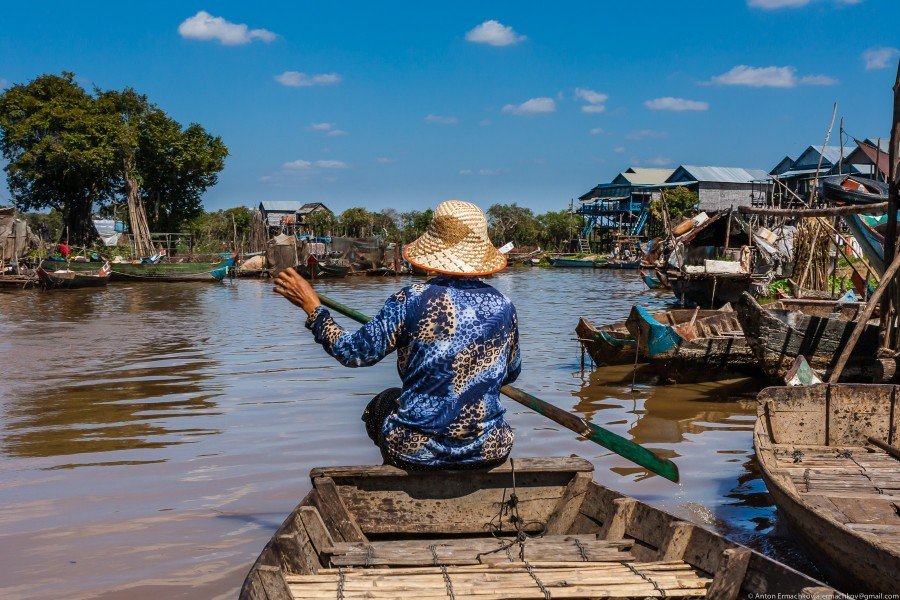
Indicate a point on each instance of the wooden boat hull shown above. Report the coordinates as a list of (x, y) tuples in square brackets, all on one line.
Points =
[(708, 291), (606, 345), (620, 264), (652, 279), (709, 346), (51, 280), (383, 532), (780, 332), (162, 272), (572, 263), (614, 344), (832, 488)]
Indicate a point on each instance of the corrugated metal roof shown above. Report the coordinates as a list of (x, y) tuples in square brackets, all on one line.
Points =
[(810, 157), (720, 174), (642, 176), (281, 205), (798, 172)]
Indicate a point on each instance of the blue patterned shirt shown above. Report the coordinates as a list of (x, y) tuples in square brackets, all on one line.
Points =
[(457, 342)]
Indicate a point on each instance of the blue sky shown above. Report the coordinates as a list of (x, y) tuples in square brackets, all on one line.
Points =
[(403, 105)]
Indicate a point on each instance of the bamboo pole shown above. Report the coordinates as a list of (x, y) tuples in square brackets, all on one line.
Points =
[(889, 304), (834, 211)]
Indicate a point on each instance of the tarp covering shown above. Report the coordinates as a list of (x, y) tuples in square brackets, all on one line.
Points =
[(15, 235), (106, 229)]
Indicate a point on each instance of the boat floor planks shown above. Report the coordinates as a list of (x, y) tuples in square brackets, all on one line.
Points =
[(424, 535), (839, 493)]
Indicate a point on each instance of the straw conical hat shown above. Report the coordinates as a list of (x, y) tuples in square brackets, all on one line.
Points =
[(456, 243)]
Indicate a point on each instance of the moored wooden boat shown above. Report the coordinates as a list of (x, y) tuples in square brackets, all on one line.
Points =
[(619, 264), (702, 348), (816, 329), (70, 279), (835, 488), (381, 532), (169, 272), (573, 261), (652, 279), (613, 344)]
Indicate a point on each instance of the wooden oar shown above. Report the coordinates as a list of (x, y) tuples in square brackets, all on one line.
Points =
[(621, 446)]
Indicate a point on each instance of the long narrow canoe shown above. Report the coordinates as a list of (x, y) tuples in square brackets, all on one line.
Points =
[(69, 279), (381, 532), (703, 348), (584, 263), (837, 491), (614, 345), (161, 272), (815, 329)]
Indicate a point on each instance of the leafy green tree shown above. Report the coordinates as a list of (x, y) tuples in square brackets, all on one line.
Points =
[(558, 227), (357, 222), (512, 223), (56, 140), (321, 222), (414, 223), (53, 221), (78, 152)]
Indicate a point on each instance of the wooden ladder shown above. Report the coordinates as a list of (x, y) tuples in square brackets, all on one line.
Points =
[(583, 246)]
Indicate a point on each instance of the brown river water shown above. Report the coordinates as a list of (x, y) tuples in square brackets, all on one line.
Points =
[(153, 436)]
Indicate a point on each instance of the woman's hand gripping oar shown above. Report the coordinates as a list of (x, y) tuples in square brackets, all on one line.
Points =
[(621, 446)]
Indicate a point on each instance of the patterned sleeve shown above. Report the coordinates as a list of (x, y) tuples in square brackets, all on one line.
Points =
[(514, 361), (369, 344)]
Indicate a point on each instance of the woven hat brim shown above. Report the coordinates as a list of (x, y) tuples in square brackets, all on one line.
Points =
[(436, 263)]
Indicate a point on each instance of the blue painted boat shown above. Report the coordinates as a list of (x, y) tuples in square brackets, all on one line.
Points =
[(703, 348)]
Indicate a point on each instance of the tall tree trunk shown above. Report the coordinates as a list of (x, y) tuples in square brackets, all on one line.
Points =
[(77, 226)]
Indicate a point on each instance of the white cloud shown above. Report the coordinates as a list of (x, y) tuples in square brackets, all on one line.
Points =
[(336, 132), (3, 83), (880, 57), (658, 161), (322, 126), (783, 77), (302, 165), (596, 131), (676, 104), (384, 160), (778, 4), (298, 164), (647, 134), (590, 96), (619, 149), (494, 33), (465, 171), (818, 80), (330, 164), (298, 79), (203, 26), (595, 100), (441, 119), (484, 122), (535, 106)]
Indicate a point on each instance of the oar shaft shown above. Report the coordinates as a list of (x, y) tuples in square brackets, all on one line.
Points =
[(621, 446)]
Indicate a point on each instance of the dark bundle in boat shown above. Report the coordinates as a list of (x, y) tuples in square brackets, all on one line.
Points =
[(614, 345), (702, 348), (380, 532), (829, 459), (817, 329)]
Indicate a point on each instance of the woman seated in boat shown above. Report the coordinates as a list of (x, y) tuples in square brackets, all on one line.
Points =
[(456, 339)]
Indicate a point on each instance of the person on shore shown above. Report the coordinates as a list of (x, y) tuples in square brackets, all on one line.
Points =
[(457, 343)]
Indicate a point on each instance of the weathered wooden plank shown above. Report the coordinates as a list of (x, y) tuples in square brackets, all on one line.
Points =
[(334, 512), (318, 533), (273, 583), (615, 527), (676, 541), (729, 576), (522, 465), (567, 508)]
